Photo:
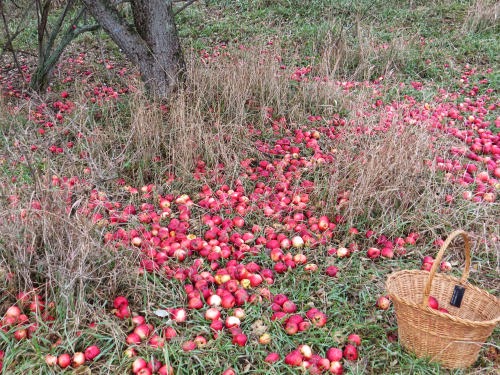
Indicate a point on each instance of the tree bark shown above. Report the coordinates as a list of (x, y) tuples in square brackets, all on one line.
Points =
[(153, 45)]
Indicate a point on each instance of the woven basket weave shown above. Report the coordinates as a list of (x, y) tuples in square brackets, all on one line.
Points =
[(453, 339)]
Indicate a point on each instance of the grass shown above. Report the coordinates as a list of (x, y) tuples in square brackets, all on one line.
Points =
[(374, 162)]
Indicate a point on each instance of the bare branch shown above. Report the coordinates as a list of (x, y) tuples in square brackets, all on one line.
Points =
[(184, 6), (9, 40), (86, 28)]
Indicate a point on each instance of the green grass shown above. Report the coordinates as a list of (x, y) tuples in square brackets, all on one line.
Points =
[(302, 28)]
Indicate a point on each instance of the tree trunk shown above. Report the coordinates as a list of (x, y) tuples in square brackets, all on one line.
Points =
[(154, 44)]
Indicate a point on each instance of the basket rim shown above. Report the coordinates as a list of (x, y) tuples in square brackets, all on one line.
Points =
[(468, 322)]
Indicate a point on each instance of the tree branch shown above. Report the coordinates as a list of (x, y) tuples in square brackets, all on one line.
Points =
[(8, 44), (117, 27), (58, 25), (86, 28), (184, 6)]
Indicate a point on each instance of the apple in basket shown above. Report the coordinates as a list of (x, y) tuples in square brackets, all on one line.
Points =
[(433, 303)]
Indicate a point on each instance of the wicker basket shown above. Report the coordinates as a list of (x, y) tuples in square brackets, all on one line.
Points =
[(453, 339)]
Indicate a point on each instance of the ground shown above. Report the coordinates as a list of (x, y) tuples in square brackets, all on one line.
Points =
[(249, 223)]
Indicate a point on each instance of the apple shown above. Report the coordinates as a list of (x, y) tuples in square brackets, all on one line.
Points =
[(433, 303), (336, 368), (212, 314), (294, 358), (272, 357), (138, 320), (331, 271), (265, 339), (350, 352), (78, 359), (169, 333), (188, 346), (156, 341), (373, 253), (445, 266), (305, 350), (214, 300), (138, 365), (143, 331), (133, 339), (13, 311), (179, 315), (319, 319), (119, 302), (354, 339), (297, 242), (51, 360), (291, 328), (323, 364), (166, 370), (342, 252), (387, 252), (20, 334), (232, 321), (289, 307), (383, 303), (240, 339), (64, 360), (144, 371), (200, 341)]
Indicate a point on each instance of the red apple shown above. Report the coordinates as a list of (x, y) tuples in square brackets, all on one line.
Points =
[(240, 339), (373, 253), (445, 266), (289, 307), (350, 352), (143, 331), (212, 314), (334, 354), (166, 370), (354, 339), (383, 303), (342, 252), (119, 302), (331, 271), (433, 303), (272, 357), (13, 311), (64, 360), (138, 365), (169, 333), (133, 339), (188, 346), (336, 368), (294, 358), (232, 321)]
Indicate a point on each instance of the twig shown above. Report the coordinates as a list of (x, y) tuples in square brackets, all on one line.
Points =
[(8, 44), (184, 6)]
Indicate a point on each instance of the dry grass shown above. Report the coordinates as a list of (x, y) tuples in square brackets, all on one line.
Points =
[(355, 52), (482, 15), (58, 254)]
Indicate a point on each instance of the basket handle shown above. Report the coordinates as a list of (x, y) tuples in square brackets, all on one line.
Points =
[(437, 262)]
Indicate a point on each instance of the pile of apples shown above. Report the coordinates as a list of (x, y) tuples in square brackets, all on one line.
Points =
[(305, 358)]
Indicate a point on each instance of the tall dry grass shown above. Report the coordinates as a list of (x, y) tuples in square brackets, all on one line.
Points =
[(482, 15)]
